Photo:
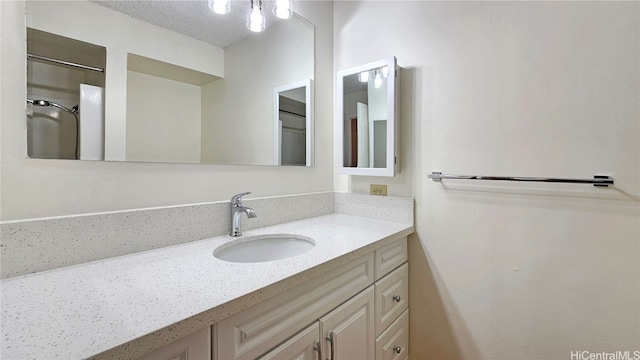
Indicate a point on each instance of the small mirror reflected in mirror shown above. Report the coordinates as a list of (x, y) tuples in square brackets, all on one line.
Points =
[(365, 126), (367, 122)]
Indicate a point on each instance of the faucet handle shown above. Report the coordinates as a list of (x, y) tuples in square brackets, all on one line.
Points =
[(237, 198)]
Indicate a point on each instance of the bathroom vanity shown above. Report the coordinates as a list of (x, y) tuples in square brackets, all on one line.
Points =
[(350, 288), (356, 311)]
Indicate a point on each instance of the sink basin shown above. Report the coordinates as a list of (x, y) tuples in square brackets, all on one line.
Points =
[(264, 248)]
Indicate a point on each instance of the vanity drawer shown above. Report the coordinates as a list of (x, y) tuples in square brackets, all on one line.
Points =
[(393, 344), (254, 331), (390, 257), (392, 295)]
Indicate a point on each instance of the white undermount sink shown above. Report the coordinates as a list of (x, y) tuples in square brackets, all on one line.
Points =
[(262, 248)]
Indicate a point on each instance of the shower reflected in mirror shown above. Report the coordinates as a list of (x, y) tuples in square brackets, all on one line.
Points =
[(47, 131), (65, 82)]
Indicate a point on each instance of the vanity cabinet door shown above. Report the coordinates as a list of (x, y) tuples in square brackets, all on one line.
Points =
[(348, 331), (305, 345)]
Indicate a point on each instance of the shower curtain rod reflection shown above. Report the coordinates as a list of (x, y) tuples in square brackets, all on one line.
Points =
[(598, 180), (62, 62)]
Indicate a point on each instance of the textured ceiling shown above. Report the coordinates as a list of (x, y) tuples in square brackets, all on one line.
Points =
[(193, 18)]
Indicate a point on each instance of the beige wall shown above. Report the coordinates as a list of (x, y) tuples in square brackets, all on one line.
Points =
[(513, 270), (37, 188), (163, 124)]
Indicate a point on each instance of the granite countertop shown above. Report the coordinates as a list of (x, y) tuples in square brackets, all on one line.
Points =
[(124, 306)]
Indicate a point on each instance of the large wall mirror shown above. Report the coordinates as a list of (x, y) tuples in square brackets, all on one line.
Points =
[(366, 121), (167, 81)]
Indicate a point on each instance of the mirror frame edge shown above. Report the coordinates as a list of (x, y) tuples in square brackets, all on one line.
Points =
[(392, 120)]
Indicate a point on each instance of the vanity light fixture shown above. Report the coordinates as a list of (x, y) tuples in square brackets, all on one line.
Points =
[(364, 76), (283, 8), (255, 18), (221, 7)]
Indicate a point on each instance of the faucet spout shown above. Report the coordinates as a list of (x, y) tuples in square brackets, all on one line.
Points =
[(237, 209), (251, 214)]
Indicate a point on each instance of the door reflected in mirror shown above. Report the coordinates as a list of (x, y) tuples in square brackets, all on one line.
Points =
[(293, 121), (366, 121), (165, 96)]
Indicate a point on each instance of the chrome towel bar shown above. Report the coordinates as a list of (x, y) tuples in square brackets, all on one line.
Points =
[(598, 180)]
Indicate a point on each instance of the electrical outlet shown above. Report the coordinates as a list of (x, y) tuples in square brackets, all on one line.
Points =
[(378, 189)]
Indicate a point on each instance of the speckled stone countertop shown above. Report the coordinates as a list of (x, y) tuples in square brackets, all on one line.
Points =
[(126, 306)]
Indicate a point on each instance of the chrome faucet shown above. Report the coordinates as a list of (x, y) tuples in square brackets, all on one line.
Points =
[(236, 213)]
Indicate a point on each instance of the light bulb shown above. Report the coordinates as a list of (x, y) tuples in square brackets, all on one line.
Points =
[(221, 7), (378, 80), (364, 76), (385, 72), (255, 19), (283, 8)]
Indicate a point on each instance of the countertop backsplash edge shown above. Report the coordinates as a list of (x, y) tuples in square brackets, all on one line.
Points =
[(31, 246), (35, 245)]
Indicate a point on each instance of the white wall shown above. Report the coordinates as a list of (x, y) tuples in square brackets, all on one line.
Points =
[(36, 188), (513, 270)]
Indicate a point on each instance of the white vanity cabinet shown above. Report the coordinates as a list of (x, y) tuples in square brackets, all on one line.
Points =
[(344, 333), (344, 313), (255, 331)]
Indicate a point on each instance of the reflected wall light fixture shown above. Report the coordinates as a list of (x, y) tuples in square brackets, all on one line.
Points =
[(385, 72), (282, 9), (255, 18), (221, 7), (377, 82), (378, 75)]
